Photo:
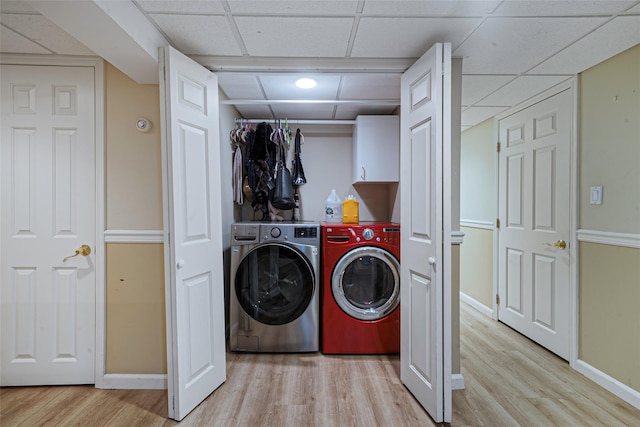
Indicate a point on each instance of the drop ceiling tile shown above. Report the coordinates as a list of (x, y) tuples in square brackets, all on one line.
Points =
[(303, 111), (474, 87), (283, 86), (635, 9), (429, 8), (476, 115), (300, 7), (520, 89), (199, 35), (514, 45), (612, 38), (407, 37), (183, 6), (44, 32), (240, 85), (350, 112), (12, 42), (254, 111), (560, 8), (298, 37), (370, 86), (15, 6)]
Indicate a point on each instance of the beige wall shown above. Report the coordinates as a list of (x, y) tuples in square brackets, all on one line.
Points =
[(609, 276), (135, 317), (478, 173), (136, 342), (478, 204), (476, 269), (609, 313), (133, 158), (610, 143)]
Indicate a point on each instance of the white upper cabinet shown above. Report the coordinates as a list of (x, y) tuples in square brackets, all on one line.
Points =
[(376, 149)]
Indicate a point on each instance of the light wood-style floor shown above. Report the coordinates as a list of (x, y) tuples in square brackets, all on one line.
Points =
[(509, 382)]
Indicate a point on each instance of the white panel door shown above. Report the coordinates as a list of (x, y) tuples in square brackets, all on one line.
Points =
[(534, 180), (48, 211), (193, 232), (425, 321)]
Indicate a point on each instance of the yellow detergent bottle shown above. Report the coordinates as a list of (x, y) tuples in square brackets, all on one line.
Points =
[(350, 210)]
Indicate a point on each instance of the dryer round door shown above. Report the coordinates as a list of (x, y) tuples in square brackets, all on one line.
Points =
[(366, 283), (274, 284)]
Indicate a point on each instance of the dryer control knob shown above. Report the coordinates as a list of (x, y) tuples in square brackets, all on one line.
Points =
[(367, 233), (275, 232)]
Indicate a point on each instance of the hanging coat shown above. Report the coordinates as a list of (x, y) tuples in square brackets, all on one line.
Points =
[(298, 172)]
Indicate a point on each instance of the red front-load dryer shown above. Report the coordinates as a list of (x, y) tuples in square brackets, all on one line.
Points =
[(361, 288)]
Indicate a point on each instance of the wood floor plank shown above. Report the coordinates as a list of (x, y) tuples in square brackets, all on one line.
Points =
[(510, 381)]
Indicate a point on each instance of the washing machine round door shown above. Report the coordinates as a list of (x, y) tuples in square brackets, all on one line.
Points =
[(366, 283), (274, 284)]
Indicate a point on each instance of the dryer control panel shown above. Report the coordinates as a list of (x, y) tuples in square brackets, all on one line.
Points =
[(292, 233)]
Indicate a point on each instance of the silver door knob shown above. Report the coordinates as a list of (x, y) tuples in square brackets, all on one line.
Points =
[(180, 264), (432, 261)]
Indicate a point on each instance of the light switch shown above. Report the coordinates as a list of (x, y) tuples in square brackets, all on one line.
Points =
[(596, 195)]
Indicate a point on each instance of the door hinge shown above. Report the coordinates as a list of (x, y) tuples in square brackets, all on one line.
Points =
[(497, 222), (498, 147), (497, 299)]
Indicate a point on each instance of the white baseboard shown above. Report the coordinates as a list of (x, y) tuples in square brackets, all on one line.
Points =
[(621, 390), (487, 311), (134, 381), (457, 382)]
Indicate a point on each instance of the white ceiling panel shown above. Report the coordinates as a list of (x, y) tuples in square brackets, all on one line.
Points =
[(15, 6), (182, 6), (41, 30), (635, 9), (299, 7), (530, 41), (12, 42), (561, 8), (254, 111), (407, 37), (612, 38), (349, 112), (283, 86), (429, 8), (474, 115), (199, 34), (370, 86), (298, 37), (240, 85), (303, 111), (474, 88), (524, 87)]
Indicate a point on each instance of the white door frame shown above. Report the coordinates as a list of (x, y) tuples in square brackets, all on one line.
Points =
[(572, 85), (98, 66)]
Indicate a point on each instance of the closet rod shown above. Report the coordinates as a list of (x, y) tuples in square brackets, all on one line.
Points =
[(298, 122)]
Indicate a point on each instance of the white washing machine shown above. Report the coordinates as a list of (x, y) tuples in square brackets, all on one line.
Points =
[(274, 298)]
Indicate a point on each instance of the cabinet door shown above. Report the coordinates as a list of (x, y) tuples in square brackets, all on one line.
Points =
[(376, 149)]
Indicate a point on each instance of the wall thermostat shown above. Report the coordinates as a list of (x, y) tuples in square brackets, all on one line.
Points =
[(143, 125)]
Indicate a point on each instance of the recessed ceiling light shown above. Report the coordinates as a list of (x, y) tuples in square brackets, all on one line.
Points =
[(306, 83)]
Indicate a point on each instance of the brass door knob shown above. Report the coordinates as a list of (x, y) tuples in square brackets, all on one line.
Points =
[(559, 244), (83, 250)]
